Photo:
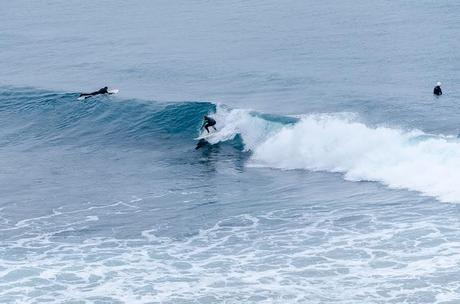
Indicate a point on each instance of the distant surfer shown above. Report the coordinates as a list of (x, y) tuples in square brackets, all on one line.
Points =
[(208, 122), (104, 90), (437, 89)]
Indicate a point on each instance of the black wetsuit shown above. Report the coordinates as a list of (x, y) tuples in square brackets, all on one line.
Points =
[(209, 122), (437, 90), (104, 90)]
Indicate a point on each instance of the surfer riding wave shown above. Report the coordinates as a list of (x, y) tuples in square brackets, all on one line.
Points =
[(208, 122)]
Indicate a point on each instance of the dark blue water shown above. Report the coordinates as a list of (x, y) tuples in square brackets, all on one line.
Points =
[(332, 178)]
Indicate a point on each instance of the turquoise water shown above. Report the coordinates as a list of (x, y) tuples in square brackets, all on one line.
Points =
[(333, 177)]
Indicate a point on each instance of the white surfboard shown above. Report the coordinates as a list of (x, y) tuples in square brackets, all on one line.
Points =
[(205, 135), (112, 91)]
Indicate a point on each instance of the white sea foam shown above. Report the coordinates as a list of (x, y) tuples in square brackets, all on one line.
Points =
[(276, 257), (397, 158)]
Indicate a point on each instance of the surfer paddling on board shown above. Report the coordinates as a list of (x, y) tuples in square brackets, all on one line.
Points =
[(104, 90), (208, 122)]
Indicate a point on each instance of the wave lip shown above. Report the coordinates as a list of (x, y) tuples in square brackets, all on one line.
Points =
[(252, 128), (399, 159)]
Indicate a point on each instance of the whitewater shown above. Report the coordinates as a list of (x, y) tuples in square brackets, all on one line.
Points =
[(404, 159)]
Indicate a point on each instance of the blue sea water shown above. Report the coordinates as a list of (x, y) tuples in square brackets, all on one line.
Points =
[(333, 176)]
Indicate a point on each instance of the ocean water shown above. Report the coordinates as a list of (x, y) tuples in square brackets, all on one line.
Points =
[(333, 176)]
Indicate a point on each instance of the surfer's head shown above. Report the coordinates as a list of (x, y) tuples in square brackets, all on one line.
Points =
[(105, 88)]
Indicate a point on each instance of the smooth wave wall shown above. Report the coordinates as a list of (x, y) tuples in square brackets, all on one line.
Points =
[(49, 117)]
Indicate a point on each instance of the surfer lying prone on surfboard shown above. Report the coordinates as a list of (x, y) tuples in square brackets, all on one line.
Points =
[(104, 90), (208, 122)]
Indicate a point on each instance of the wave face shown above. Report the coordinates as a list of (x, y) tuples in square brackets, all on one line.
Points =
[(33, 116), (400, 159)]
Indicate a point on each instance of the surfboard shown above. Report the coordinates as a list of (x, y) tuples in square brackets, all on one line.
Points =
[(205, 135), (112, 91)]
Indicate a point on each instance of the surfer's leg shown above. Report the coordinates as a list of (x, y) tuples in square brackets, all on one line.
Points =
[(206, 127), (212, 124)]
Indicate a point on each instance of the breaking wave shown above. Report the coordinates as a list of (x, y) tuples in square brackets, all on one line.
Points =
[(398, 158)]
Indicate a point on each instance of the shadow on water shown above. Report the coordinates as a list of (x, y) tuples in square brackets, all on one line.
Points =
[(202, 143), (230, 152)]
